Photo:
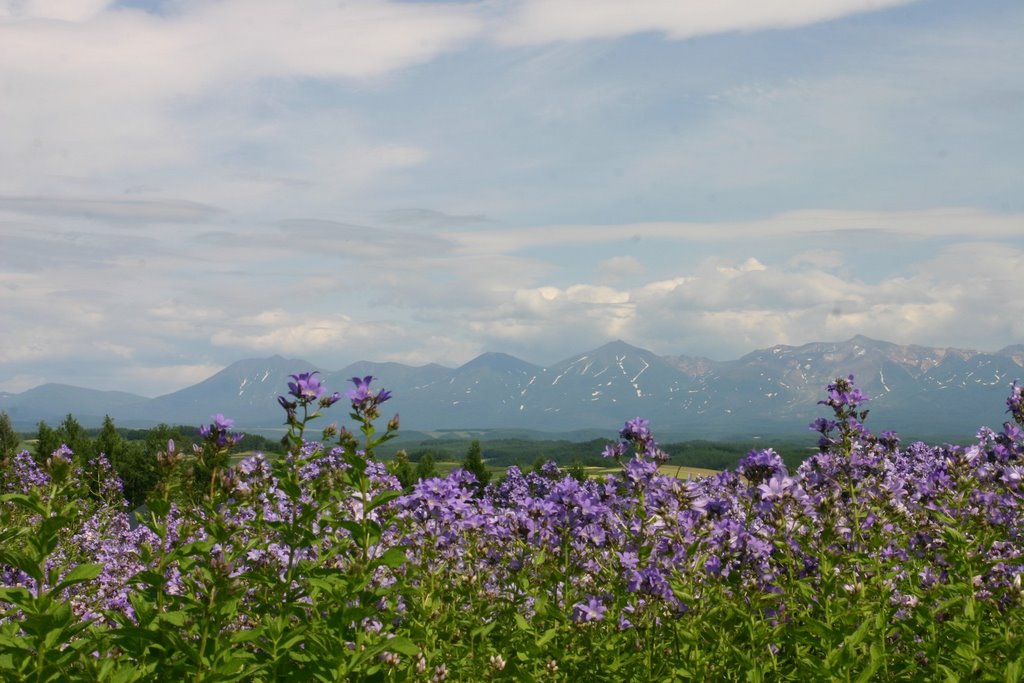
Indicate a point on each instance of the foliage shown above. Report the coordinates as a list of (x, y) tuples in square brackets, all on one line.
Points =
[(9, 439), (425, 468), (869, 561), (47, 441), (473, 463), (503, 452)]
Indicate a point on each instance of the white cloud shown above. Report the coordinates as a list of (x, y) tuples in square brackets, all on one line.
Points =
[(618, 268), (540, 21), (22, 382), (93, 92), (136, 211), (957, 298), (291, 332), (157, 379), (62, 10), (950, 222), (229, 170)]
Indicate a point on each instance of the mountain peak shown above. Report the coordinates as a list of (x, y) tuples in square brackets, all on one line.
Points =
[(866, 341), (618, 348), (499, 362), (619, 344)]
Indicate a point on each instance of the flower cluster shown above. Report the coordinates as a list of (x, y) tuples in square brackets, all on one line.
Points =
[(216, 433), (1015, 403), (895, 536), (366, 402), (306, 389)]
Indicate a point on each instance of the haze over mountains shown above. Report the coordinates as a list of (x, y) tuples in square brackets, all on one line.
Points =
[(917, 391)]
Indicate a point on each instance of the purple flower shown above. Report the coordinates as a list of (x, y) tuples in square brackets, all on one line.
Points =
[(362, 390), (844, 395), (614, 450), (306, 388), (636, 429), (1015, 403), (823, 425), (223, 423), (217, 432), (760, 465), (24, 473), (363, 398), (591, 610), (776, 487)]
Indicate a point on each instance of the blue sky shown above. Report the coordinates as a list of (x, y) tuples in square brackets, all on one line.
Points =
[(187, 183)]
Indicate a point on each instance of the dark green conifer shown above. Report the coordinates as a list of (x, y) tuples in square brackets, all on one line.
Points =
[(425, 468), (9, 439), (47, 441), (474, 464)]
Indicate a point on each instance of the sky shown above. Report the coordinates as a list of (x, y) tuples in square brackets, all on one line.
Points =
[(188, 183)]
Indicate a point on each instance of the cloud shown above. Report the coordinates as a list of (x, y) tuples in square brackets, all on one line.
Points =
[(925, 224), (205, 43), (21, 382), (95, 89), (318, 338), (61, 10), (957, 296), (156, 379), (281, 331), (361, 241), (541, 322), (722, 309), (391, 180), (135, 211), (429, 218), (542, 21), (618, 268)]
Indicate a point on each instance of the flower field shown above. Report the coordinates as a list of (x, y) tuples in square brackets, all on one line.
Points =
[(873, 560)]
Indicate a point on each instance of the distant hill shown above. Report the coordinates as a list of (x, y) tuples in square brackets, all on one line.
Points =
[(52, 402), (918, 391)]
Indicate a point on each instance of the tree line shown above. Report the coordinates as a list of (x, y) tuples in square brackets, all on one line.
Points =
[(130, 452)]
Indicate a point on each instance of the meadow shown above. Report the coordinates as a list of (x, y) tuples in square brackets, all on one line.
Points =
[(871, 560)]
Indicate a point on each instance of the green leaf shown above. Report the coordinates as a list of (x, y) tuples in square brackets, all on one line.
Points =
[(382, 498), (176, 618), (392, 557), (1014, 672), (150, 578), (873, 667), (482, 631), (80, 574), (354, 528), (548, 635), (16, 596), (522, 623), (23, 562), (291, 488), (200, 548), (32, 503), (402, 645), (857, 637), (159, 507), (51, 526)]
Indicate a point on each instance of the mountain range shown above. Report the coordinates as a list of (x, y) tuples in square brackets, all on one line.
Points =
[(917, 391)]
